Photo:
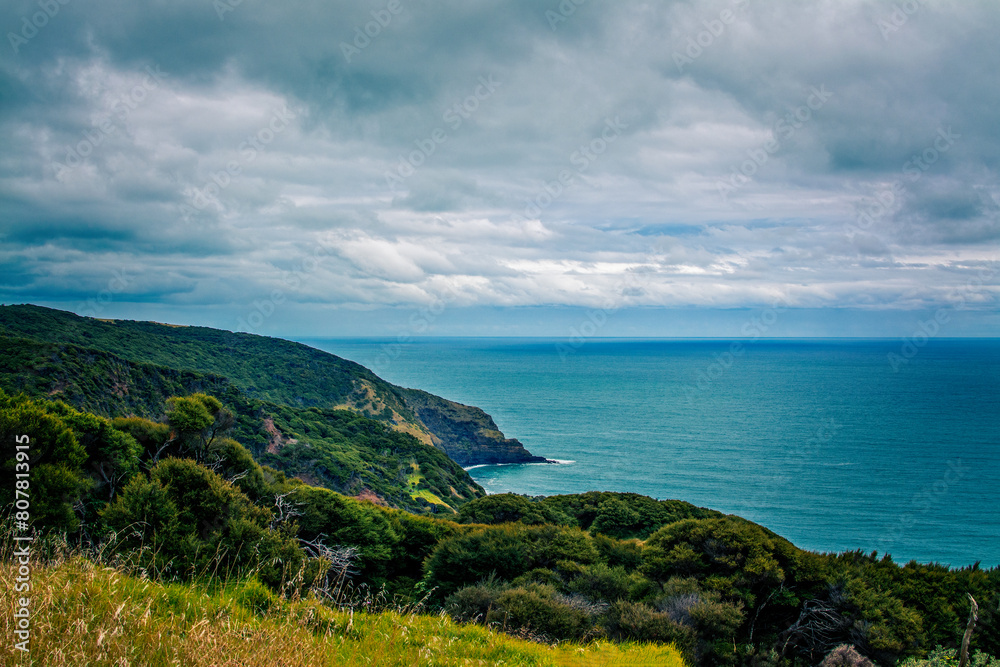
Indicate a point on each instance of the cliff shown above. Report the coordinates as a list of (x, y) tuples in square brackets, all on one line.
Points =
[(467, 434)]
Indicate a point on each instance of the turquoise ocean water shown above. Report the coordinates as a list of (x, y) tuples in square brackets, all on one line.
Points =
[(826, 442)]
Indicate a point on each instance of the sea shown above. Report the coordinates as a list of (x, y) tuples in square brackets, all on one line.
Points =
[(878, 445)]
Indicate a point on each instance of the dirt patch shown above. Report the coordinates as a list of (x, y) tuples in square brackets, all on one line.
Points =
[(274, 439), (372, 497)]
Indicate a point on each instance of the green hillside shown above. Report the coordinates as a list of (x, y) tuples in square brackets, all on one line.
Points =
[(279, 372), (335, 449)]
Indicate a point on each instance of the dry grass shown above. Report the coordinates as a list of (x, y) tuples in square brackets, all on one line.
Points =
[(88, 614)]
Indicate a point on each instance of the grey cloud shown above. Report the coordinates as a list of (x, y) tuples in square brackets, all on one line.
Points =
[(174, 186)]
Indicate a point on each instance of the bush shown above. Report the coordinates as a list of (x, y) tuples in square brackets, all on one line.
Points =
[(600, 582), (237, 464), (537, 607), (186, 516), (472, 603), (338, 520), (54, 456), (256, 597), (945, 657), (505, 508), (506, 551), (634, 621), (623, 553)]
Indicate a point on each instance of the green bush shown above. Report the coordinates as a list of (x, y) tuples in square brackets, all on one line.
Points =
[(506, 551), (186, 517), (538, 608), (506, 508), (338, 520), (634, 621), (472, 603), (600, 582), (53, 461), (619, 553), (945, 657), (237, 464)]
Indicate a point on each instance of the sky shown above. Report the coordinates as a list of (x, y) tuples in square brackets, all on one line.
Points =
[(403, 168)]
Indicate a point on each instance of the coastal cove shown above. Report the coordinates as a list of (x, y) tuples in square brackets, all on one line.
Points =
[(826, 442)]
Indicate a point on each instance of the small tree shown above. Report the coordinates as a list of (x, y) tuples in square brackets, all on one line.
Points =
[(196, 421)]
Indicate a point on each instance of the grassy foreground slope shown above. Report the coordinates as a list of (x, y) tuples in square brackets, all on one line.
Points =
[(86, 614)]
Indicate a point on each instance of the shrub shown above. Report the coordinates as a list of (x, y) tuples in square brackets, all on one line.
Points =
[(338, 520), (472, 603), (506, 551), (237, 464), (623, 553), (600, 582), (256, 597), (635, 621), (537, 608), (187, 516), (505, 508), (54, 456), (945, 657)]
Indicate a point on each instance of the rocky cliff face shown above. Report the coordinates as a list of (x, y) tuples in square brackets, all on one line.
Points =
[(468, 435)]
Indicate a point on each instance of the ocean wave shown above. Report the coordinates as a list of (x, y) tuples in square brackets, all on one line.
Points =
[(547, 462)]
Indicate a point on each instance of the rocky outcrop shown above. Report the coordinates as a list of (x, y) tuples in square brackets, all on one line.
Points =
[(467, 435)]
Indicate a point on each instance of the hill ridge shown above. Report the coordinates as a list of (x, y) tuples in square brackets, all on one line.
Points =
[(279, 371)]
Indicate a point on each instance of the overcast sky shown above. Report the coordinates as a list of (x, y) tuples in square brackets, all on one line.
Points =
[(409, 167)]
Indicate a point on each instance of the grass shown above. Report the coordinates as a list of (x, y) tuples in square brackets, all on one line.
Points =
[(414, 479), (83, 613)]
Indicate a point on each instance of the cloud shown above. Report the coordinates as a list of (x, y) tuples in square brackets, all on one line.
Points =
[(723, 151)]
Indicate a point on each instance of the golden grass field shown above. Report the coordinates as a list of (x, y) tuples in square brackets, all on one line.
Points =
[(86, 614)]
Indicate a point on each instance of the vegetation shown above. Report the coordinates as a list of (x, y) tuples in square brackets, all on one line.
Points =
[(336, 449), (83, 613), (207, 516), (182, 501), (99, 365)]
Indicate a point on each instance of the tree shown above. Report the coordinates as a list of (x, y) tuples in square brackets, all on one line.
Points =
[(196, 421), (53, 462)]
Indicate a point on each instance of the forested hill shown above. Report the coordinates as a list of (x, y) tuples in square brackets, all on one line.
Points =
[(279, 372)]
